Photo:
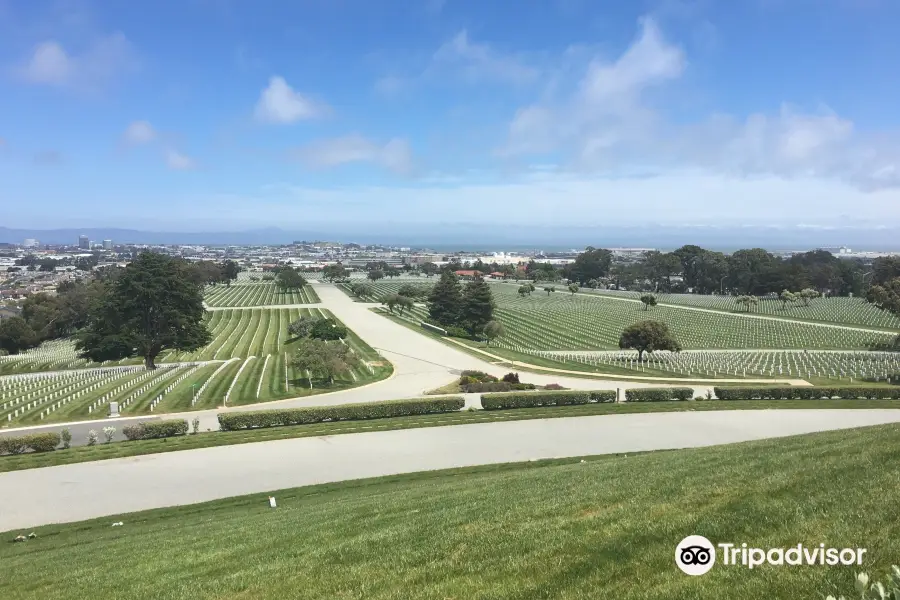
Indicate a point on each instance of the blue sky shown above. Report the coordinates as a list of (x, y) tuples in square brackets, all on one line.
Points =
[(210, 114)]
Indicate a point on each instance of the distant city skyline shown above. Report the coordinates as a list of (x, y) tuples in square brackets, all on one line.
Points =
[(408, 114)]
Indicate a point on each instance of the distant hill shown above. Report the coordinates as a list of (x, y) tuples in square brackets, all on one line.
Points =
[(490, 236)]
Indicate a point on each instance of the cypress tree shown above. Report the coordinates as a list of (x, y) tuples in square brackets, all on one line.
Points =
[(445, 300), (477, 306)]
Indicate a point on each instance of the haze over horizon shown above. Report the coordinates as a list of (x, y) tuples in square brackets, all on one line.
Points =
[(222, 115)]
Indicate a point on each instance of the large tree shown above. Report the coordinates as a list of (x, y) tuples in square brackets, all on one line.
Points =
[(154, 305), (648, 336), (288, 279), (493, 330), (445, 300), (230, 270), (324, 360), (477, 306), (593, 263), (335, 271), (16, 335), (887, 296)]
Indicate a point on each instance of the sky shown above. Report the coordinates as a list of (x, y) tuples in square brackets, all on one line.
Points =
[(205, 115)]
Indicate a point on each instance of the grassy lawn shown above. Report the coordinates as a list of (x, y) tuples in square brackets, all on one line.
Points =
[(224, 438), (565, 530)]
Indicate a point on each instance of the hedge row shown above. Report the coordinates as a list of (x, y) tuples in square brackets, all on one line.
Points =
[(150, 430), (347, 412), (658, 394), (36, 442), (806, 393), (513, 400), (495, 386)]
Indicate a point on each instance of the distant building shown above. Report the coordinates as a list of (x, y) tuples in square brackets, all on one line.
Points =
[(107, 245), (84, 243), (30, 243)]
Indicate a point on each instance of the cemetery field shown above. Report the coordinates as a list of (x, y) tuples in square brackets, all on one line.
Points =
[(385, 287), (264, 293), (562, 529), (836, 309), (581, 332), (248, 361)]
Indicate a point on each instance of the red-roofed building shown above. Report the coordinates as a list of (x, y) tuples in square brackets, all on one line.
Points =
[(466, 273)]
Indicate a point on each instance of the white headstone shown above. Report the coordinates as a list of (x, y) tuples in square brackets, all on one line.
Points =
[(113, 409)]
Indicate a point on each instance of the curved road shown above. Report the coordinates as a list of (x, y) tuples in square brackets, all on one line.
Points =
[(420, 364), (95, 489)]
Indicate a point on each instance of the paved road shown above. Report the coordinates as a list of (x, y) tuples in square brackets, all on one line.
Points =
[(420, 364), (81, 491)]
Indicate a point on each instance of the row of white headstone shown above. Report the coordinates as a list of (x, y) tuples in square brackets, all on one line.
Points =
[(196, 397)]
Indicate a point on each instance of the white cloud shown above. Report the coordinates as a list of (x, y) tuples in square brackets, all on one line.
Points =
[(609, 124), (395, 155), (51, 64), (479, 63), (139, 132), (178, 161), (279, 103)]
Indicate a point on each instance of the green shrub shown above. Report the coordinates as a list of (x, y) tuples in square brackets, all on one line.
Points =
[(806, 393), (478, 376), (511, 378), (41, 442), (12, 445), (495, 386), (554, 386), (454, 331), (658, 394), (346, 412), (682, 393), (66, 436), (36, 442), (150, 430), (514, 400)]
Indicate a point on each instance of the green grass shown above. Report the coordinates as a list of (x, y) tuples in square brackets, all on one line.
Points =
[(563, 529), (225, 438)]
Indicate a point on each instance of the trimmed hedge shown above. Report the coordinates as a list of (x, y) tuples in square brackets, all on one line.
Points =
[(496, 386), (807, 393), (345, 412), (36, 442), (658, 394), (151, 430), (513, 400)]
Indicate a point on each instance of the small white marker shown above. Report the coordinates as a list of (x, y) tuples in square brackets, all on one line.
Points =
[(272, 501)]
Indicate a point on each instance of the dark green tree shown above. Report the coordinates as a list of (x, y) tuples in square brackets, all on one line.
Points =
[(289, 279), (648, 336), (324, 360), (445, 300), (493, 330), (887, 296), (477, 306), (16, 335), (648, 300), (230, 270), (375, 275), (327, 330), (152, 306), (593, 263), (335, 271)]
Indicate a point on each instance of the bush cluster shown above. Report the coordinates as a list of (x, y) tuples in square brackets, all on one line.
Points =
[(511, 378), (150, 430), (468, 376), (346, 412), (658, 394), (806, 393), (513, 400), (36, 442)]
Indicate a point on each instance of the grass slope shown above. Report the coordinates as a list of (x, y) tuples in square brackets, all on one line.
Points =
[(606, 528)]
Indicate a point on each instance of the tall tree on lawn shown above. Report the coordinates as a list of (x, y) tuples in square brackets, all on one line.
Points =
[(154, 305)]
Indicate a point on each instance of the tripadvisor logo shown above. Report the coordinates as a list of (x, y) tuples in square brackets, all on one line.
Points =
[(696, 555)]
